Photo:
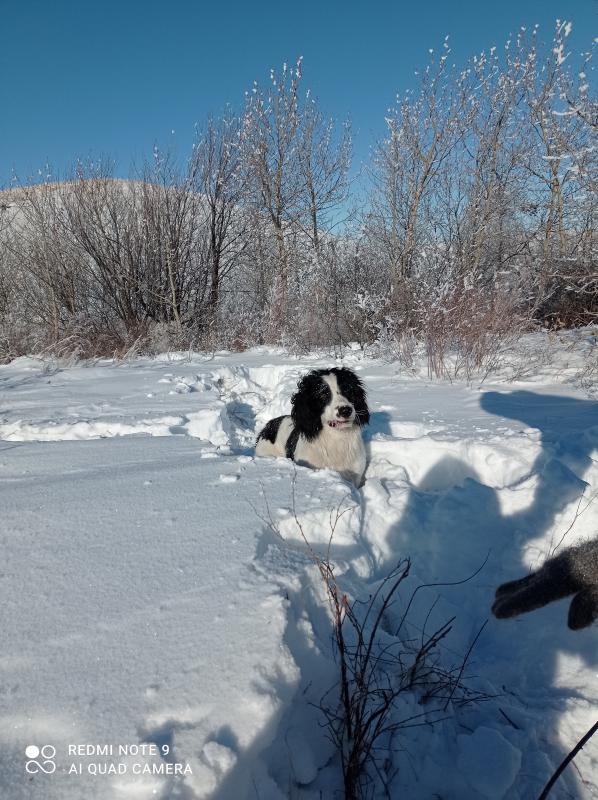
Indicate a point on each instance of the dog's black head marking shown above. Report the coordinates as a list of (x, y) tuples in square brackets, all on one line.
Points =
[(352, 388), (314, 394), (308, 403), (270, 431)]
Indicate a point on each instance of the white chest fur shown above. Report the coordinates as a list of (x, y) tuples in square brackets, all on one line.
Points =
[(339, 449)]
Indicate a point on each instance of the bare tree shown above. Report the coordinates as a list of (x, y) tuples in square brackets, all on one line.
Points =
[(323, 161), (165, 233), (220, 178), (271, 135), (423, 130), (40, 247)]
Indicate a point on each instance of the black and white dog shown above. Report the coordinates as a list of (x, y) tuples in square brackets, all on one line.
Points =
[(324, 427)]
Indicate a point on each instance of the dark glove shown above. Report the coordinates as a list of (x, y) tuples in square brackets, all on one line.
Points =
[(574, 572)]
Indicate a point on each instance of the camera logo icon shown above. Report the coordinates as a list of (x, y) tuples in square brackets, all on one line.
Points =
[(40, 759)]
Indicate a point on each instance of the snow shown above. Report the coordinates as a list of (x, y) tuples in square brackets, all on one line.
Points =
[(489, 761), (159, 596), (125, 584)]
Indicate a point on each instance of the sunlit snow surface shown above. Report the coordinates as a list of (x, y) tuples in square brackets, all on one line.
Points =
[(146, 600)]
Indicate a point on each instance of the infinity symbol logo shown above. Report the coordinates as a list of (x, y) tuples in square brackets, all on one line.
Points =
[(40, 759)]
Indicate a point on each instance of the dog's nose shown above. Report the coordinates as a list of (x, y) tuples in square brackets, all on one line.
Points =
[(344, 411)]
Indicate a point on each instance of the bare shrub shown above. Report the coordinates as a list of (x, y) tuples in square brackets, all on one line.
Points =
[(588, 376), (378, 664), (466, 332)]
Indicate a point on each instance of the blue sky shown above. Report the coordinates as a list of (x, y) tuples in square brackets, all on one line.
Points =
[(115, 77)]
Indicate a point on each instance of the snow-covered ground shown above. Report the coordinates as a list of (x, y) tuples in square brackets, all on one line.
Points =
[(151, 611)]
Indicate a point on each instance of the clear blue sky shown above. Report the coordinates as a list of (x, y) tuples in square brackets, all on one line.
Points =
[(116, 76)]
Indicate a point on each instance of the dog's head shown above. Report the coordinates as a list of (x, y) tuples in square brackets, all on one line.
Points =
[(329, 397)]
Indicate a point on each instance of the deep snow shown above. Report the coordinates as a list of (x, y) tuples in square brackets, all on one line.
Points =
[(148, 600)]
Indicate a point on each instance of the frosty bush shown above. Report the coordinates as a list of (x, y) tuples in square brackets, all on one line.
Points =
[(479, 220)]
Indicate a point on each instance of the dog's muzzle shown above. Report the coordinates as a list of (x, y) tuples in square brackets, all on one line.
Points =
[(344, 417)]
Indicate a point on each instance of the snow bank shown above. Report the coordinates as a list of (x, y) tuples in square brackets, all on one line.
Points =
[(150, 603)]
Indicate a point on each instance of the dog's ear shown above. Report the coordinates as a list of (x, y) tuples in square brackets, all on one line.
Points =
[(361, 406), (307, 405), (354, 390)]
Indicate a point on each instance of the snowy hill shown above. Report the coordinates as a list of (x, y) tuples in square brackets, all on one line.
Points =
[(159, 596)]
